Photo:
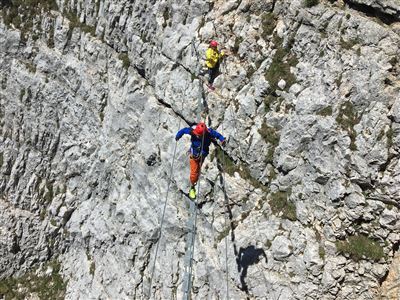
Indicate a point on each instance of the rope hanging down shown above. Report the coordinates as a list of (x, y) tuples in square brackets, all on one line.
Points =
[(189, 269), (165, 205), (188, 284), (226, 223), (200, 103), (163, 213)]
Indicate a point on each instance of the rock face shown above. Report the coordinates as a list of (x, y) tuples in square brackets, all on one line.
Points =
[(93, 92), (389, 10)]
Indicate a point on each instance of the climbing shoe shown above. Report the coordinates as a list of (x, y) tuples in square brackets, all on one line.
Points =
[(192, 193)]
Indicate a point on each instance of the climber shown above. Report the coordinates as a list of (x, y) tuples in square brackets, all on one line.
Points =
[(201, 138), (213, 58)]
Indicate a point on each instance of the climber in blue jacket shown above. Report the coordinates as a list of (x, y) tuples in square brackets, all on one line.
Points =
[(201, 138)]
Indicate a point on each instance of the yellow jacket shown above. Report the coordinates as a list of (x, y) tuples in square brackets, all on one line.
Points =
[(212, 57)]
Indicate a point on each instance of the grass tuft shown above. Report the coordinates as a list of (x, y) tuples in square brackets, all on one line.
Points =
[(280, 66), (359, 247), (268, 101), (348, 44), (268, 24), (238, 41), (321, 252), (49, 286), (270, 135), (280, 204), (125, 60), (23, 14), (230, 167), (325, 112), (347, 119), (75, 23)]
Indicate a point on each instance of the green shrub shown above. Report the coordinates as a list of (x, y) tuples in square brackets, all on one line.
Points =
[(49, 194), (348, 44), (389, 137), (50, 41), (125, 60), (360, 246), (280, 66), (88, 29), (224, 233), (268, 24), (321, 252), (21, 13), (166, 16), (49, 286), (227, 163), (230, 167), (347, 119), (279, 203), (250, 71), (238, 41), (338, 80), (268, 101), (326, 111), (21, 94), (75, 23), (92, 268), (270, 135), (31, 67)]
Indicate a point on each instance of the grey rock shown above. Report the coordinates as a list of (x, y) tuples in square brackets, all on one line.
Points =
[(87, 143), (379, 270), (281, 248), (388, 218), (312, 259), (337, 190), (354, 200), (282, 84)]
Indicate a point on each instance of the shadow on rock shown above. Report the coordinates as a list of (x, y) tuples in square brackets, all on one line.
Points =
[(246, 257)]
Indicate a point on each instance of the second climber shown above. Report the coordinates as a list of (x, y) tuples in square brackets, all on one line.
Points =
[(213, 58), (201, 138)]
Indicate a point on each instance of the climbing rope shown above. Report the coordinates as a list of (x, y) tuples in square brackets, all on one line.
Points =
[(192, 237), (188, 287), (226, 205), (194, 228), (197, 75), (226, 223), (164, 209)]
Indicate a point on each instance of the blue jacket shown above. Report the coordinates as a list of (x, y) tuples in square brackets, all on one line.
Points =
[(195, 147)]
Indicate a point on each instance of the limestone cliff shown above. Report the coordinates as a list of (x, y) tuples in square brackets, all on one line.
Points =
[(92, 94)]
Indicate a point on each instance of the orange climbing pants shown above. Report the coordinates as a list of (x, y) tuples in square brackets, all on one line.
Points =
[(195, 166)]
